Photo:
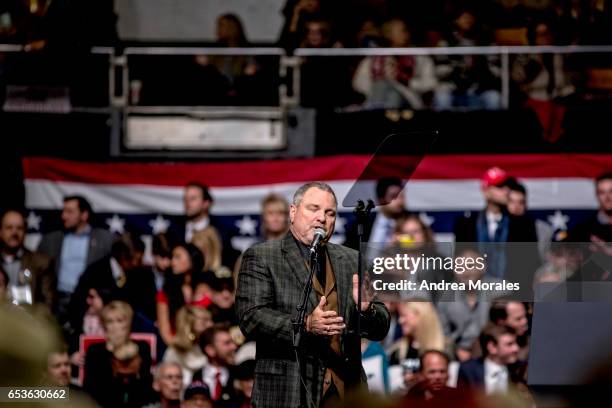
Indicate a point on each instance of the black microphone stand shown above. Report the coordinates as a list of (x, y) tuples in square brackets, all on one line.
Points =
[(362, 213), (298, 323)]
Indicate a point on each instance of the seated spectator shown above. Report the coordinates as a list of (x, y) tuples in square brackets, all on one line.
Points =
[(413, 238), (242, 74), (325, 82), (395, 81), (161, 250), (101, 282), (543, 81), (140, 287), (220, 348), (197, 395), (431, 389), (118, 371), (562, 261), (32, 272), (493, 373), (179, 288), (297, 13), (464, 313), (274, 217), (87, 320), (466, 81), (513, 314), (168, 383), (208, 241), (58, 374), (244, 374), (422, 331), (223, 299), (191, 322), (58, 369)]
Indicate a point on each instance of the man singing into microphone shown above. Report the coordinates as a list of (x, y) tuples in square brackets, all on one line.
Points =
[(270, 284)]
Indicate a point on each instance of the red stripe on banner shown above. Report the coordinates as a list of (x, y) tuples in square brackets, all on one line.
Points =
[(248, 173)]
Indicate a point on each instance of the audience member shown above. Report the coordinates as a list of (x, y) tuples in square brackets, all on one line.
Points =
[(104, 279), (464, 313), (422, 331), (245, 375), (223, 298), (517, 205), (58, 369), (513, 314), (168, 383), (198, 202), (432, 389), (74, 248), (492, 225), (598, 228), (197, 395), (25, 269), (379, 228), (179, 288), (274, 217), (191, 322), (162, 252), (467, 81), (492, 373), (396, 81), (118, 371), (219, 347)]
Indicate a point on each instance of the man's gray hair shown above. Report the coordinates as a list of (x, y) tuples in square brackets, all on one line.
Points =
[(299, 193), (162, 366)]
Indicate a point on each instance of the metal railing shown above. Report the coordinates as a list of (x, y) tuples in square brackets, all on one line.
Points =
[(289, 67), (504, 52)]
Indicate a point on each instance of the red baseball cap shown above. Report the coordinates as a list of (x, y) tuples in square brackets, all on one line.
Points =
[(494, 177)]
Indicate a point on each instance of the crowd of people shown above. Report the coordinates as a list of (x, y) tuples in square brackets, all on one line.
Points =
[(138, 334), (545, 83)]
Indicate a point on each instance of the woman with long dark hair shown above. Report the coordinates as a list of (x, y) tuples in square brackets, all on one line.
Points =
[(179, 287)]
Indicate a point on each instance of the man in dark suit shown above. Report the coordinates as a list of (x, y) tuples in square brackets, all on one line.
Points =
[(74, 248), (217, 343), (497, 369), (198, 202), (16, 260), (493, 227), (270, 284)]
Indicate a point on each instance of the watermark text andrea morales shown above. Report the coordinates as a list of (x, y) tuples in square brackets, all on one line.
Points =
[(477, 285)]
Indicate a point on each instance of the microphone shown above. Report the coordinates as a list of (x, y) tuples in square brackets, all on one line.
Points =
[(319, 235)]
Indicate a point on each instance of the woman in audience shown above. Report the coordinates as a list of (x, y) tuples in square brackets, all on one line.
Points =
[(179, 288), (191, 321), (394, 82), (118, 371), (87, 320), (422, 331)]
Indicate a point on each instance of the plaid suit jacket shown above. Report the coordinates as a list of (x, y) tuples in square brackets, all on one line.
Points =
[(270, 285)]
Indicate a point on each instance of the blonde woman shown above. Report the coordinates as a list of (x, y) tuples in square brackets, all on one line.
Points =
[(118, 371), (421, 330), (208, 241), (191, 321)]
